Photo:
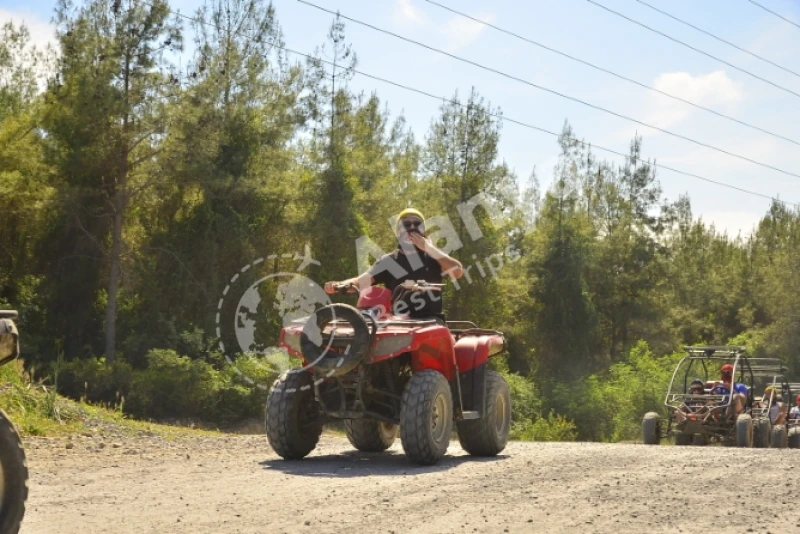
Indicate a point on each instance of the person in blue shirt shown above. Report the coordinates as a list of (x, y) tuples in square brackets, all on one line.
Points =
[(723, 387)]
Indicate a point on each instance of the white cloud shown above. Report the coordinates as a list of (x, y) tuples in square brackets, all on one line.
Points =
[(406, 13), (42, 32), (714, 90), (460, 32)]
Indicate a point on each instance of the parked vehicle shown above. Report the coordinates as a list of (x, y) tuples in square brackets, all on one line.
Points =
[(386, 375), (793, 421), (13, 468)]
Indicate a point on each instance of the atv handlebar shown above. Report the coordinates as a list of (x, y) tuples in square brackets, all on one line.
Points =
[(345, 289), (408, 285)]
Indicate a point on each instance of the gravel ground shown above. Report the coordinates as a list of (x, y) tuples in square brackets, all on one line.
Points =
[(146, 484)]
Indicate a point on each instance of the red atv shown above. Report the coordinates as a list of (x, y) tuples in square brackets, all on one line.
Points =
[(378, 371)]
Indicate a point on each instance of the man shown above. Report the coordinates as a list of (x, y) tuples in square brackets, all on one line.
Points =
[(777, 410), (794, 413), (723, 387), (416, 258), (692, 405)]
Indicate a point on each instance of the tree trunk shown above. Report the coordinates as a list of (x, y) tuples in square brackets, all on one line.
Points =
[(113, 285)]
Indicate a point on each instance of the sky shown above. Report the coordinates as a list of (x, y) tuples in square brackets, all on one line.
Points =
[(586, 31)]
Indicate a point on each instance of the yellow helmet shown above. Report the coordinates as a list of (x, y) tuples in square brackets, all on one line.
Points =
[(410, 211)]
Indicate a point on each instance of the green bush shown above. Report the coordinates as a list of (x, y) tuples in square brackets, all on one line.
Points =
[(609, 406), (94, 380), (174, 386), (527, 421), (553, 427), (33, 407)]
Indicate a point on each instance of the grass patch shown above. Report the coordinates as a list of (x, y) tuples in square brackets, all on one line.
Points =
[(37, 410)]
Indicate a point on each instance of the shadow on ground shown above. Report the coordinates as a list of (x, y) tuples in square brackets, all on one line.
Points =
[(361, 464)]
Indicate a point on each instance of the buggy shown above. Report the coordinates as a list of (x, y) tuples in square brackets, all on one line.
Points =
[(13, 467), (769, 411), (793, 423), (384, 374), (703, 418)]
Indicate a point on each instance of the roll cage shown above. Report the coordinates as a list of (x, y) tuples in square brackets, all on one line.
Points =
[(705, 362)]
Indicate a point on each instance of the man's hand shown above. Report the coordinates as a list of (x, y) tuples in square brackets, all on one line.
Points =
[(421, 242), (329, 287)]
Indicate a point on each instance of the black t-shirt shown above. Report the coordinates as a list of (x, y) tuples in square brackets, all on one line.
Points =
[(393, 269)]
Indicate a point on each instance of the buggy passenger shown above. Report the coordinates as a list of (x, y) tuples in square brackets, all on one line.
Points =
[(692, 405), (794, 413), (777, 409), (724, 387)]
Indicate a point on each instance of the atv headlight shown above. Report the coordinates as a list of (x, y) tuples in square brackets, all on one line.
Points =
[(390, 344)]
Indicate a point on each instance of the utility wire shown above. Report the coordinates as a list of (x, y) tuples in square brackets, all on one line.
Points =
[(497, 116), (557, 93), (720, 39), (768, 10), (645, 26), (612, 73)]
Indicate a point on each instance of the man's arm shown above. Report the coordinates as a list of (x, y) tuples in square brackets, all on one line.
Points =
[(363, 281), (449, 265)]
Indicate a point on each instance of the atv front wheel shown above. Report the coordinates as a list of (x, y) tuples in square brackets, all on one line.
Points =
[(426, 417), (14, 472), (779, 437), (293, 418), (488, 435), (794, 438), (369, 435), (762, 431), (651, 429), (744, 430)]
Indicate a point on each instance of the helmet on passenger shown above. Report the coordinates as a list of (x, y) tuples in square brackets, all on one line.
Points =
[(697, 386), (726, 371)]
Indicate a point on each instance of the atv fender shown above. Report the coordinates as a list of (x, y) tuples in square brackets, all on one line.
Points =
[(472, 354)]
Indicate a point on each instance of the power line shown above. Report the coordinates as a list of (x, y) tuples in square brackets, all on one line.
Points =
[(673, 39), (557, 93), (720, 39), (497, 116), (612, 73), (768, 10)]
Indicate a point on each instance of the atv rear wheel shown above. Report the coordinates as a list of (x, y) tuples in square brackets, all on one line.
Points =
[(426, 417), (369, 435), (762, 433), (651, 429), (779, 437), (699, 440), (14, 473), (744, 430), (293, 417), (794, 438), (488, 435)]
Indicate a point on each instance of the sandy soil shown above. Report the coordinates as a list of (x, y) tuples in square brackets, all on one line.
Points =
[(206, 485)]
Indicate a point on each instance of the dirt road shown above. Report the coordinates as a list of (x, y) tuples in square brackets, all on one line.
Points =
[(236, 484)]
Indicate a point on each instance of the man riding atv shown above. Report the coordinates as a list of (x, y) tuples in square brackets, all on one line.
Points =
[(391, 365), (416, 258)]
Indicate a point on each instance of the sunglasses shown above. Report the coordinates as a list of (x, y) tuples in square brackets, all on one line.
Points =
[(408, 225)]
